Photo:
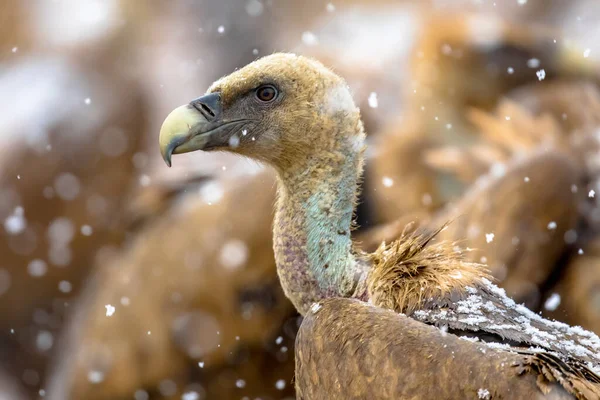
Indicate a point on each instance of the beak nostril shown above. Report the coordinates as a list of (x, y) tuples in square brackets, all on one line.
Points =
[(208, 110), (209, 106)]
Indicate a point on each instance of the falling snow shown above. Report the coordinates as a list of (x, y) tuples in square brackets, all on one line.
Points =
[(533, 63), (309, 39), (254, 8), (15, 223), (86, 230), (484, 393), (373, 102), (234, 254), (37, 268), (552, 302), (77, 126), (541, 74), (280, 384), (234, 141), (190, 396), (95, 377), (387, 181), (65, 287), (110, 310)]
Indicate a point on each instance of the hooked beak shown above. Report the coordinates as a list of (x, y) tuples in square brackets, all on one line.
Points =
[(194, 126)]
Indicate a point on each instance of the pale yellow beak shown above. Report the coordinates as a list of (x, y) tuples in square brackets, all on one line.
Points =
[(181, 132)]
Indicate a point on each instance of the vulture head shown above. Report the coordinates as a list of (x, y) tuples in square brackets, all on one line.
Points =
[(278, 109)]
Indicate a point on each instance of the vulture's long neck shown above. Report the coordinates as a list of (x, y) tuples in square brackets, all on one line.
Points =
[(315, 206)]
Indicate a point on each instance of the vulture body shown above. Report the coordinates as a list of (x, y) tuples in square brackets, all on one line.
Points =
[(299, 117), (420, 362)]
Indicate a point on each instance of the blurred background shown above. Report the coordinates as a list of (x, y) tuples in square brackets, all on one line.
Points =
[(123, 279)]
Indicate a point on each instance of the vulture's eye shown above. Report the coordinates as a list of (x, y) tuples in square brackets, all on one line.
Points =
[(266, 93)]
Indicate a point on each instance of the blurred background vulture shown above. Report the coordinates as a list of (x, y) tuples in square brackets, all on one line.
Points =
[(121, 279)]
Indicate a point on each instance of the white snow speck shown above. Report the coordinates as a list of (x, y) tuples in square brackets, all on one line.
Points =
[(67, 186), (526, 179), (65, 286), (373, 102), (279, 340), (240, 383), (201, 364), (211, 192), (15, 223), (591, 194), (315, 307), (484, 393), (510, 70), (190, 396), (221, 29), (533, 63), (387, 181), (456, 275), (498, 170), (586, 53), (60, 232), (234, 141), (580, 251), (330, 7), (552, 225), (280, 384), (37, 268), (110, 310), (87, 101), (484, 32), (95, 376), (86, 230), (15, 49), (309, 38), (234, 254), (44, 340), (489, 237), (552, 302), (541, 74), (444, 330), (254, 8)]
